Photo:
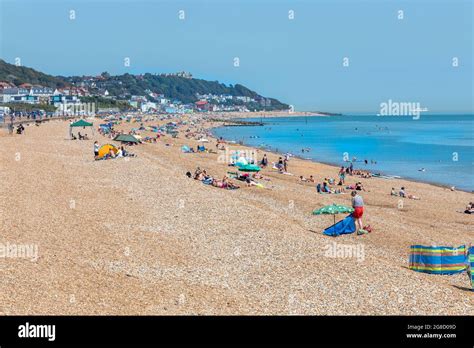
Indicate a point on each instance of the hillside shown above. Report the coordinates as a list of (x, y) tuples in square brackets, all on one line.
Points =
[(126, 85), (20, 74)]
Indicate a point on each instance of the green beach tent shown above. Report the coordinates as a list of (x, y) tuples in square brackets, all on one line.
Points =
[(333, 209), (126, 138), (81, 123), (248, 167)]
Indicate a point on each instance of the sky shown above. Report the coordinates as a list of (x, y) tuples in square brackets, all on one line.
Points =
[(335, 56)]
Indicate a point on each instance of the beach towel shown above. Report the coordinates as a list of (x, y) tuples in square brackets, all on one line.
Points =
[(438, 259), (471, 266), (345, 226)]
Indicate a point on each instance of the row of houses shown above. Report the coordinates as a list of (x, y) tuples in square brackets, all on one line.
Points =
[(36, 95)]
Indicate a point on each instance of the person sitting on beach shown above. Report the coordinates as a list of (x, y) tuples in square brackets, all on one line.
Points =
[(119, 153), (303, 179), (409, 196), (311, 179), (96, 149), (402, 193), (325, 187), (393, 192), (359, 186), (469, 208), (280, 164)]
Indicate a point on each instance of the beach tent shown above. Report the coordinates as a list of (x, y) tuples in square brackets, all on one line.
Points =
[(248, 167), (105, 150), (345, 226), (438, 259), (126, 138), (185, 149), (333, 210), (80, 123)]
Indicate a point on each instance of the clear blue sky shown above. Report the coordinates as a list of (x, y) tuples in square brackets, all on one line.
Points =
[(298, 61)]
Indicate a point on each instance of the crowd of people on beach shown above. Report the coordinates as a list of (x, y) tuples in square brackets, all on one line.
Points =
[(206, 179)]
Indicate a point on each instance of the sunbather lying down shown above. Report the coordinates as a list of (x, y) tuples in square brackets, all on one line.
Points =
[(206, 179)]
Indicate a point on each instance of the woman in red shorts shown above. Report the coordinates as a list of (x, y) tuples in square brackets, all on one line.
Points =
[(358, 205)]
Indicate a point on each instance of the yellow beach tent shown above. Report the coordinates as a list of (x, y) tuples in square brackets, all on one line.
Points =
[(105, 150)]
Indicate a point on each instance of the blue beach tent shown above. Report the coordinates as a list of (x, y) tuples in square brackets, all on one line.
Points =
[(345, 226)]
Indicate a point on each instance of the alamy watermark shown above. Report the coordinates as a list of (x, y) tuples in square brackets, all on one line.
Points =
[(236, 155), (336, 250), (76, 109), (394, 108), (13, 251)]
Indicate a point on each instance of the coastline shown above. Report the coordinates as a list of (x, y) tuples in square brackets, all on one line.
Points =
[(333, 164), (337, 165), (140, 226)]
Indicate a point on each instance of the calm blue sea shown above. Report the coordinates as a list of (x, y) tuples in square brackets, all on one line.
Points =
[(441, 144)]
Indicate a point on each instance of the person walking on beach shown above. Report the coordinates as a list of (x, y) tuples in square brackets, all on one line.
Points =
[(342, 175), (358, 205), (280, 164), (96, 150), (264, 160)]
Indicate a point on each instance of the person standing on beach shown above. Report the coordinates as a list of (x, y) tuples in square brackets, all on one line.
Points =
[(351, 168), (280, 164), (358, 205), (285, 165), (342, 175), (264, 160), (96, 150)]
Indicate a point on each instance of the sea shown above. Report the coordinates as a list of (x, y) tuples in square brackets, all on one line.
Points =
[(437, 149)]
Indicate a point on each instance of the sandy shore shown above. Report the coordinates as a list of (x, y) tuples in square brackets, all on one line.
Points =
[(136, 236)]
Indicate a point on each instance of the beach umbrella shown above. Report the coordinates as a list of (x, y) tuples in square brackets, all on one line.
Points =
[(333, 209)]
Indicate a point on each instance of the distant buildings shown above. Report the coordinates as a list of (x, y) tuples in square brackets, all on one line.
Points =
[(99, 86)]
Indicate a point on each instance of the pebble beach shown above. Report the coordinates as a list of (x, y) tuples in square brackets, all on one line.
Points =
[(136, 236)]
